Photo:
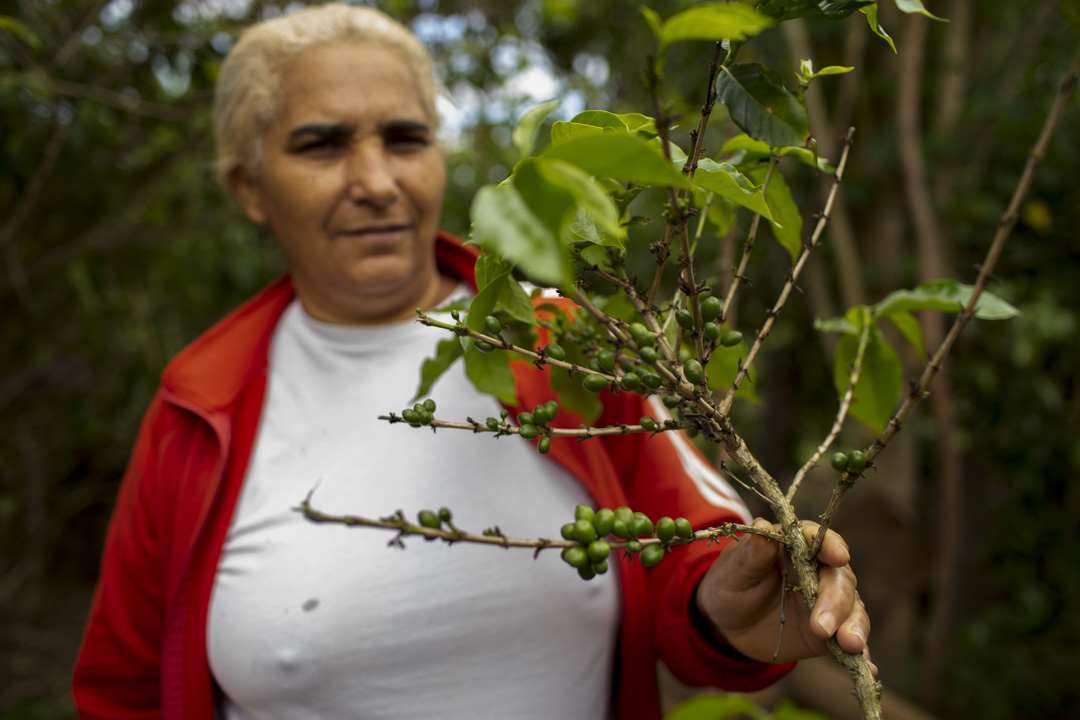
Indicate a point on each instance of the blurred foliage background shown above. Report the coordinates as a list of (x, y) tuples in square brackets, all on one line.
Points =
[(117, 248)]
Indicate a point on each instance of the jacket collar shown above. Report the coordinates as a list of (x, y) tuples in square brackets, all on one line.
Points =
[(211, 372)]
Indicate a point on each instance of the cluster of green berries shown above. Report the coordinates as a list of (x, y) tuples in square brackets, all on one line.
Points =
[(531, 424), (420, 413), (852, 462), (435, 520), (590, 528), (710, 310)]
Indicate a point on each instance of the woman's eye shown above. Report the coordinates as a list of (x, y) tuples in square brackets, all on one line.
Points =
[(407, 142)]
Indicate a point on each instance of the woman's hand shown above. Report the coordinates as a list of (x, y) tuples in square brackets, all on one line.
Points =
[(740, 596)]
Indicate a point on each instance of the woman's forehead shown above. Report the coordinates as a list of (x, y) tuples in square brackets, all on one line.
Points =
[(351, 82)]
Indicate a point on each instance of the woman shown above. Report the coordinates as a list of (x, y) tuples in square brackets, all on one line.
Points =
[(216, 597)]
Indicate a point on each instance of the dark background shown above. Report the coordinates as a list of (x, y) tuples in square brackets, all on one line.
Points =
[(117, 248)]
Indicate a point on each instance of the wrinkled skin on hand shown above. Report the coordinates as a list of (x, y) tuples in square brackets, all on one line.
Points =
[(740, 596)]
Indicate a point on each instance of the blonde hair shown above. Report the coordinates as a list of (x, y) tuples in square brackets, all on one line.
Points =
[(249, 87)]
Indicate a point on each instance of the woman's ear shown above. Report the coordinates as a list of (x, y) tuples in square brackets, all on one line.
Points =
[(245, 190)]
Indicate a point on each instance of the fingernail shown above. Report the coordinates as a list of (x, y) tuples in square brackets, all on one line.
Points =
[(859, 634), (827, 621)]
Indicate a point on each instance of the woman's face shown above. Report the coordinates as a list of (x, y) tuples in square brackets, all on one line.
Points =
[(351, 183)]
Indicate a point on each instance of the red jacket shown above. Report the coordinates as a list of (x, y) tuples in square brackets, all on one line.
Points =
[(144, 651)]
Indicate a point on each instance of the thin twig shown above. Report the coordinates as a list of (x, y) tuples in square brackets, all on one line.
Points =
[(1005, 225), (808, 247), (748, 247), (507, 429), (841, 414)]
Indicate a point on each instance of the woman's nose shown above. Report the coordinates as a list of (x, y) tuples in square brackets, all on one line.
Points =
[(371, 178)]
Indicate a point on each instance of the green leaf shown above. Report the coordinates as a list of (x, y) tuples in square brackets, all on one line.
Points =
[(488, 267), (715, 707), (503, 223), (515, 301), (621, 157), (563, 131), (715, 22), (832, 70), (757, 150), (880, 383), (594, 207), (446, 353), (837, 325), (786, 222), (484, 303), (490, 373), (872, 19), (787, 710), (652, 18), (724, 180), (908, 326), (524, 135), (947, 296), (760, 105), (916, 6)]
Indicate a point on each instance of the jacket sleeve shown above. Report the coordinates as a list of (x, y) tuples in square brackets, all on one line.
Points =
[(117, 673), (667, 476)]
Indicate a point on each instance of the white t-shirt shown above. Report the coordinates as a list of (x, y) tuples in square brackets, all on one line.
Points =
[(326, 621)]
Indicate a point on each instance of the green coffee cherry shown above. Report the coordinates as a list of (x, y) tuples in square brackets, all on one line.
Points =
[(648, 355), (492, 325), (555, 351), (568, 531), (856, 461), (633, 546), (430, 520), (410, 415), (595, 383), (544, 445), (620, 529), (840, 462), (429, 405), (586, 573), (665, 529), (584, 531), (693, 370), (651, 380), (631, 381), (600, 567), (710, 309), (604, 521), (445, 515), (594, 365), (671, 401), (540, 416), (552, 408), (685, 319), (624, 513), (641, 525), (711, 331), (683, 528), (528, 431), (583, 512), (425, 417), (606, 359), (493, 423), (526, 418), (483, 346), (651, 555), (731, 338), (648, 423), (641, 335), (577, 557), (598, 550)]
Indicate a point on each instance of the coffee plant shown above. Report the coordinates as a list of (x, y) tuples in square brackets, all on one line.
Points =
[(560, 221)]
